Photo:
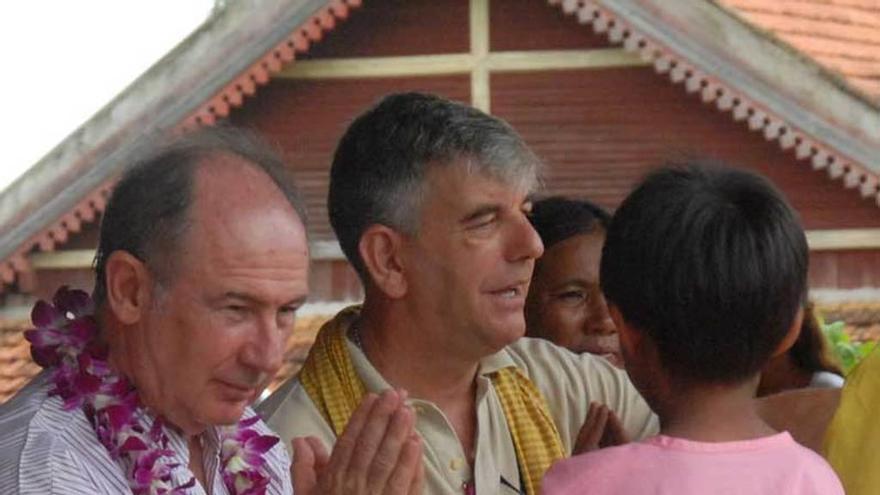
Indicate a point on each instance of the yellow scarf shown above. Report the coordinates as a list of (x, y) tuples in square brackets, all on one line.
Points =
[(329, 378), (853, 436)]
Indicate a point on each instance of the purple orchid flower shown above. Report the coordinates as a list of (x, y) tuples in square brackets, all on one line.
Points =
[(241, 455), (73, 301), (65, 339)]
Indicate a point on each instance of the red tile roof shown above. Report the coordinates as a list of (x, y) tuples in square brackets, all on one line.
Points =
[(216, 107), (16, 366), (862, 318), (298, 346), (842, 35)]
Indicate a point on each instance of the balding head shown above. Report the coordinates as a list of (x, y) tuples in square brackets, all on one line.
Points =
[(149, 209), (204, 260), (234, 203)]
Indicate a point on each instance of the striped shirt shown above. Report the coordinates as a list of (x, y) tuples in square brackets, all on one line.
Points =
[(47, 450)]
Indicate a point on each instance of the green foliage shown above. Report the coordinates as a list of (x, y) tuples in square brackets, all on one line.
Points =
[(848, 352)]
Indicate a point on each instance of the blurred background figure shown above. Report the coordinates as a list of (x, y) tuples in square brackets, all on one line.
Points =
[(807, 364), (565, 304)]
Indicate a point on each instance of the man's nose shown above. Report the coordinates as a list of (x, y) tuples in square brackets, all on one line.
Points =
[(265, 352), (526, 243), (600, 321)]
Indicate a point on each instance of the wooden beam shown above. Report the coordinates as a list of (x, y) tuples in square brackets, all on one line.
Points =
[(326, 250), (16, 313), (78, 259), (843, 239), (818, 240), (464, 63), (368, 67), (530, 61), (73, 259), (479, 36)]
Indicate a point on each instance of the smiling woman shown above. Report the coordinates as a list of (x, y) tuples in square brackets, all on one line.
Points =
[(565, 304), (96, 47)]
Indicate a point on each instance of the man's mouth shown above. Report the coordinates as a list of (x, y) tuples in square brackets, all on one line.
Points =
[(512, 291), (509, 293), (511, 297), (239, 391)]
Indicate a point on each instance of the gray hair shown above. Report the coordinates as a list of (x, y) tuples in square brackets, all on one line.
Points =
[(147, 213), (378, 171)]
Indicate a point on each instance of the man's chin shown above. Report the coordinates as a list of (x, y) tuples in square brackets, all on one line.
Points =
[(506, 334), (226, 413)]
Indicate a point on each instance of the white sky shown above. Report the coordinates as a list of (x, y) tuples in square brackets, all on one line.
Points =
[(62, 60)]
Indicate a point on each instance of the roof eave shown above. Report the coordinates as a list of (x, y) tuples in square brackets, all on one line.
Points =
[(768, 72), (172, 89)]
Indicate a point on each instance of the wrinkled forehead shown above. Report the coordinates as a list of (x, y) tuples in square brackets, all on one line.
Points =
[(521, 173), (458, 188)]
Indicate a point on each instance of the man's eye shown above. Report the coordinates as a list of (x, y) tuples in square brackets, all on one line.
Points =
[(288, 310), (236, 310), (571, 295), (482, 222), (287, 316)]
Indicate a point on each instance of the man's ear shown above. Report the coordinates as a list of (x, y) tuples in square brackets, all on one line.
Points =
[(627, 335), (380, 249), (129, 286), (794, 331)]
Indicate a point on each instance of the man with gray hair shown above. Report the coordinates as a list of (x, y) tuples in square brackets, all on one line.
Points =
[(202, 264), (430, 202)]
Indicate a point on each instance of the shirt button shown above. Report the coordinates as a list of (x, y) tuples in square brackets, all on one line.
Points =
[(456, 464)]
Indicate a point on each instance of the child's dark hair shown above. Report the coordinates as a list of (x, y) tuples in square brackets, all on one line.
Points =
[(557, 218), (711, 263)]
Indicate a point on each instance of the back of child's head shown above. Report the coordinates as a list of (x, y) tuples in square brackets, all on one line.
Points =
[(711, 263)]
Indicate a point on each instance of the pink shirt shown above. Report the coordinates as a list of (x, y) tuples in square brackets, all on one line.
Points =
[(661, 465)]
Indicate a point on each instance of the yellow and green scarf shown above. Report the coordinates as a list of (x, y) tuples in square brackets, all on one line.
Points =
[(853, 436), (329, 378)]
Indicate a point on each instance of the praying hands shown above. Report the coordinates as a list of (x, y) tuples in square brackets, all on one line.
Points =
[(377, 453)]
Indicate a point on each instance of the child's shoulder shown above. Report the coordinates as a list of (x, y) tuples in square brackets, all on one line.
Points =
[(812, 469), (605, 464), (774, 464)]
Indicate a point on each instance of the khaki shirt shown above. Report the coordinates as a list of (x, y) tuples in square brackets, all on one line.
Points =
[(568, 381)]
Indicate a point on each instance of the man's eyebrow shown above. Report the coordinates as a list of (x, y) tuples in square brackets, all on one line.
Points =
[(238, 295), (241, 296), (299, 301)]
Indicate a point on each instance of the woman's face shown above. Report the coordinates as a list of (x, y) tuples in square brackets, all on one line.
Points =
[(565, 304)]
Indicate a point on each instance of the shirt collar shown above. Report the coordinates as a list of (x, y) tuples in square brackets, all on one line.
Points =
[(375, 382)]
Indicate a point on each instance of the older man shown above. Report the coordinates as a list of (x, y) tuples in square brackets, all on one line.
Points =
[(430, 202), (202, 264)]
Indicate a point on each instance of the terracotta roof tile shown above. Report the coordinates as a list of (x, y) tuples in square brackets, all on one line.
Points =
[(16, 367), (862, 317), (842, 35), (298, 346)]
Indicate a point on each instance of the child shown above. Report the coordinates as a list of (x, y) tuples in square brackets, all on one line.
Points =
[(704, 269)]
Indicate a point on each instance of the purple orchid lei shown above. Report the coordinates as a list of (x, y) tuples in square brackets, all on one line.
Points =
[(65, 339)]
